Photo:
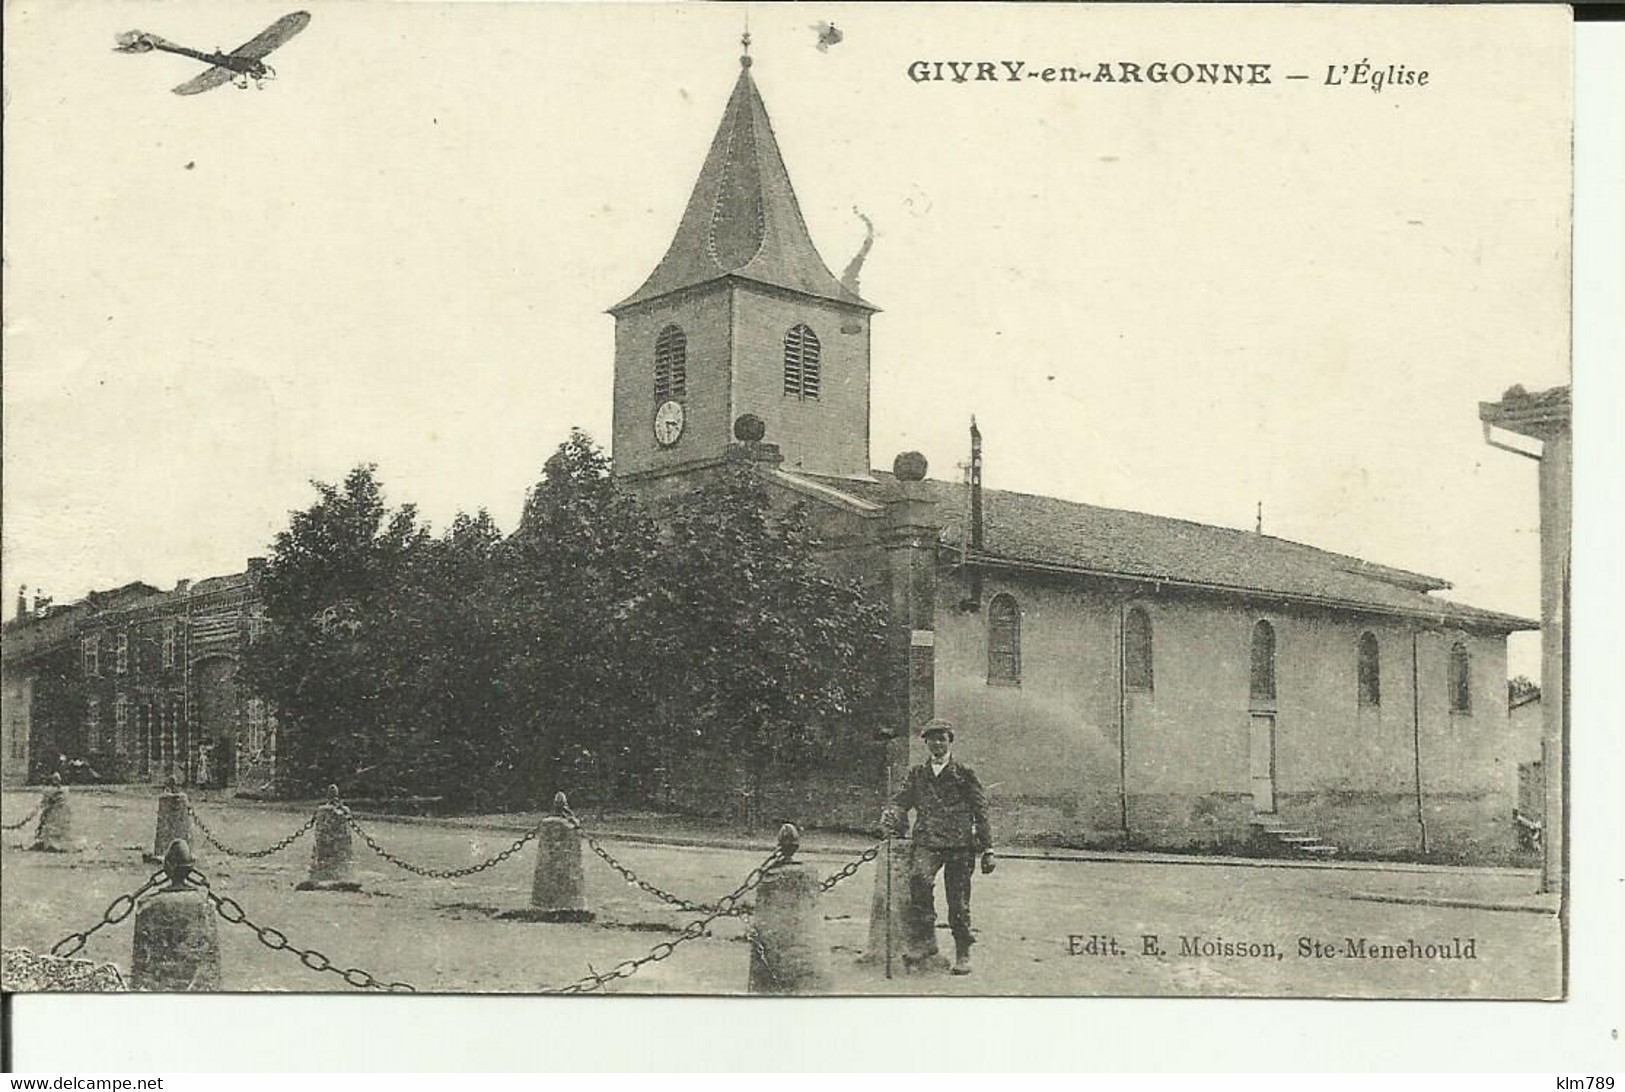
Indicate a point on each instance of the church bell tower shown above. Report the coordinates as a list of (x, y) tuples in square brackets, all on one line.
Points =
[(741, 316)]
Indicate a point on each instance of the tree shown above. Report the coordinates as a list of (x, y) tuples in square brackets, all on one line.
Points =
[(763, 653), (574, 583), (371, 637), (447, 609), (591, 642)]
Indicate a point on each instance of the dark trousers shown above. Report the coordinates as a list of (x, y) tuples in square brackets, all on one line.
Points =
[(957, 866)]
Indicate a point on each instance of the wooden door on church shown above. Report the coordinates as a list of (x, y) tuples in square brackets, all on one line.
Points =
[(1263, 762)]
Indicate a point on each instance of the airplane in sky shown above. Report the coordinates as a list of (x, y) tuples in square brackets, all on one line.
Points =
[(242, 64)]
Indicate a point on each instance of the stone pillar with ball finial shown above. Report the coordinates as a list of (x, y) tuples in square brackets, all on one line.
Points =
[(750, 444), (330, 851), (558, 887), (910, 541), (177, 944), (788, 952)]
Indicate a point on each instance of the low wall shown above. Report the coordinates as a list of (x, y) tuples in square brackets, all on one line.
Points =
[(1462, 828), (845, 795)]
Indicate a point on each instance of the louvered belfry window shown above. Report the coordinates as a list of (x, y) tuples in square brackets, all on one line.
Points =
[(671, 365), (1003, 640), (801, 369)]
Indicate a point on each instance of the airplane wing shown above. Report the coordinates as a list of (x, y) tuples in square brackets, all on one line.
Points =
[(208, 81), (273, 36)]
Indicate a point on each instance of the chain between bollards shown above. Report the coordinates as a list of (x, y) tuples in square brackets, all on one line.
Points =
[(177, 864), (692, 931), (117, 910), (252, 854), (435, 873), (851, 868), (562, 808), (24, 821), (232, 912)]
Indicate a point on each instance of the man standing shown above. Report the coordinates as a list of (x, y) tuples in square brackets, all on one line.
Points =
[(950, 829)]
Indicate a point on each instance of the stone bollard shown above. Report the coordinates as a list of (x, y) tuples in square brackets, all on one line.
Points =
[(177, 945), (888, 911), (330, 851), (787, 950), (55, 831), (173, 825), (557, 890)]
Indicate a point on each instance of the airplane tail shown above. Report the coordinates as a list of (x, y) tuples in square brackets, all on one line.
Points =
[(136, 41)]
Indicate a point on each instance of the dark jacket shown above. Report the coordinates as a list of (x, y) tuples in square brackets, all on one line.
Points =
[(950, 808)]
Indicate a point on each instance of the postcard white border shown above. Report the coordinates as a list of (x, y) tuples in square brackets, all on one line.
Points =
[(339, 1034)]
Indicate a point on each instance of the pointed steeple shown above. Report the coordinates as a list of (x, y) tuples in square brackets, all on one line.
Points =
[(742, 219)]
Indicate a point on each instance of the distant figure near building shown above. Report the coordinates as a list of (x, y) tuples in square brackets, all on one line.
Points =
[(950, 829), (75, 770)]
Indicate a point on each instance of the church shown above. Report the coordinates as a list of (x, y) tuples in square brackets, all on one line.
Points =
[(1120, 679)]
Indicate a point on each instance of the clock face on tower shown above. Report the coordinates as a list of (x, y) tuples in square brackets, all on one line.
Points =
[(668, 423)]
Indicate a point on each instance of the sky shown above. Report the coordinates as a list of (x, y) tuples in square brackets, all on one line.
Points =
[(1181, 300)]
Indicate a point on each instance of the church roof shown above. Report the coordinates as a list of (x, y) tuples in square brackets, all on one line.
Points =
[(742, 219), (1021, 530)]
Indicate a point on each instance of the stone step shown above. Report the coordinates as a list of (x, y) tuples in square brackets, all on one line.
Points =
[(1293, 840), (1284, 832)]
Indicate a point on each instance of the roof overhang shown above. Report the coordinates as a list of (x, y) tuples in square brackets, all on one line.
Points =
[(1481, 620), (638, 301), (824, 494), (1538, 416)]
